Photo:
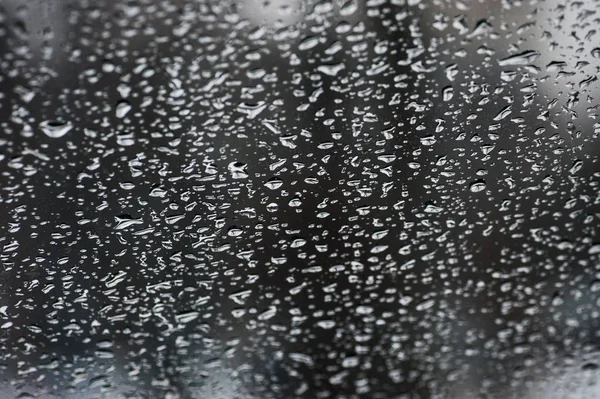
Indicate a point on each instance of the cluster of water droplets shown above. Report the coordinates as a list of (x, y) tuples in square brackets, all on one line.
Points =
[(320, 199)]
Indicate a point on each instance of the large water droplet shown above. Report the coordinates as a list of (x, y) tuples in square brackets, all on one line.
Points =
[(123, 107), (477, 186), (55, 129)]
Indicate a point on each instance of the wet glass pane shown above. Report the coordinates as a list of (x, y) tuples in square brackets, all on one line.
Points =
[(299, 199)]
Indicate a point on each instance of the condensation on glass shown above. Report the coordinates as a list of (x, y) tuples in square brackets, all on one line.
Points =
[(299, 199)]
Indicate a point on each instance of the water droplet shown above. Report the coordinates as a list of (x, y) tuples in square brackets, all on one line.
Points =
[(123, 107), (524, 58), (477, 186), (55, 129)]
